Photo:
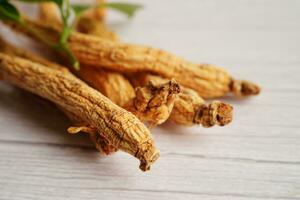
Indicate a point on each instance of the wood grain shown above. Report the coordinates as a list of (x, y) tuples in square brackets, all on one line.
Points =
[(256, 157)]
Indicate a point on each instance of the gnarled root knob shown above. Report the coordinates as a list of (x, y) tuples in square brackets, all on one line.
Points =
[(216, 113), (154, 102)]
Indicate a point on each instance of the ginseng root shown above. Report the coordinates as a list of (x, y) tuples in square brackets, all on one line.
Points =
[(189, 108), (101, 143), (207, 80), (121, 128)]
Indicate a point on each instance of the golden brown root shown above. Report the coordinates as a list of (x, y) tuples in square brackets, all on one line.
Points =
[(154, 103), (189, 108), (9, 49), (118, 126), (242, 88), (207, 80)]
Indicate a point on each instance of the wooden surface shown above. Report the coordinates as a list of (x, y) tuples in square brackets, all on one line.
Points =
[(256, 157)]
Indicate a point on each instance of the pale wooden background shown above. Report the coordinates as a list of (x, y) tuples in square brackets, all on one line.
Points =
[(256, 157)]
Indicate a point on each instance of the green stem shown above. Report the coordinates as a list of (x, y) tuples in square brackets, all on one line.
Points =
[(64, 35), (73, 59), (63, 40)]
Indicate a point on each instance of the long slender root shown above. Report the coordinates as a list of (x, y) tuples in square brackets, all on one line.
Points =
[(121, 128), (9, 49), (208, 81)]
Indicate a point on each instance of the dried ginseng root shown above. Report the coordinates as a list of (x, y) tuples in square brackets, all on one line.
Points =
[(207, 80), (121, 128), (189, 107), (100, 143)]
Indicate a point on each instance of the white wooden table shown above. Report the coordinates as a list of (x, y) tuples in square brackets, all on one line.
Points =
[(256, 157)]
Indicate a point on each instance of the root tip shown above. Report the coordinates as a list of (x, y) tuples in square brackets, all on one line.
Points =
[(244, 88), (147, 155)]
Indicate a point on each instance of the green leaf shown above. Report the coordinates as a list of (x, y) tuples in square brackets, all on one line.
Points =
[(128, 9), (9, 11)]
